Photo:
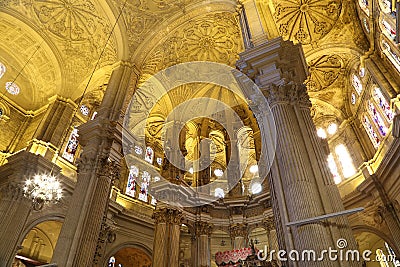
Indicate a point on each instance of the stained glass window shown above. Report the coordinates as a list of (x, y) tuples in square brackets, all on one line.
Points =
[(334, 170), (138, 150), (371, 132), (159, 161), (376, 117), (153, 201), (386, 6), (85, 110), (364, 6), (366, 24), (149, 155), (132, 178), (144, 186), (346, 161), (3, 69), (72, 146), (12, 88), (353, 98), (388, 30), (383, 104), (357, 84), (392, 56)]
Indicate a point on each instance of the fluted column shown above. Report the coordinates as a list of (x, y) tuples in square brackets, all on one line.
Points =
[(80, 233), (203, 232), (167, 233), (239, 233), (300, 183)]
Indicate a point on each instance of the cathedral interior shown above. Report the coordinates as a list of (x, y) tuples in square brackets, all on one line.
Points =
[(95, 171)]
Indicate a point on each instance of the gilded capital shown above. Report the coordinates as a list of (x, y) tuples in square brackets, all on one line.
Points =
[(203, 228), (238, 230), (170, 216)]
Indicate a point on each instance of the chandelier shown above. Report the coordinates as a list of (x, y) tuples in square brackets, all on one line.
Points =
[(42, 189)]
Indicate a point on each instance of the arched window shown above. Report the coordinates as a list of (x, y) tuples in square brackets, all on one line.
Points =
[(392, 56), (364, 6), (356, 82), (144, 186), (345, 160), (3, 69), (383, 104), (132, 178), (376, 117), (388, 29), (353, 98), (371, 132), (366, 25), (149, 157), (72, 146), (386, 6), (334, 170)]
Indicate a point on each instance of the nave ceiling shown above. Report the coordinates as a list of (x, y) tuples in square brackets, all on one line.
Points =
[(70, 35)]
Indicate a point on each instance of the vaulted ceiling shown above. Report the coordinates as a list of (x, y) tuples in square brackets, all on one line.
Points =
[(63, 41)]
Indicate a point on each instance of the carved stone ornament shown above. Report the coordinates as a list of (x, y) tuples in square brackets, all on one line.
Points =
[(238, 230), (287, 92), (203, 228), (306, 21), (169, 216)]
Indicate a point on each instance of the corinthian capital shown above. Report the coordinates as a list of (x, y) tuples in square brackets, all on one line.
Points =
[(203, 228), (286, 91), (170, 216), (238, 230)]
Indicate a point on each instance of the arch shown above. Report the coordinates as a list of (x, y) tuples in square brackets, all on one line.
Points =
[(129, 244), (365, 228), (40, 238)]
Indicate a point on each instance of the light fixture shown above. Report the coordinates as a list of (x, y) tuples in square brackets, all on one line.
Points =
[(332, 128), (321, 133), (218, 172), (191, 170), (42, 189), (254, 169)]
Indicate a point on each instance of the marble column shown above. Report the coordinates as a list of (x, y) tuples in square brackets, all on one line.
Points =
[(239, 234), (300, 180), (203, 233), (80, 233), (167, 233)]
